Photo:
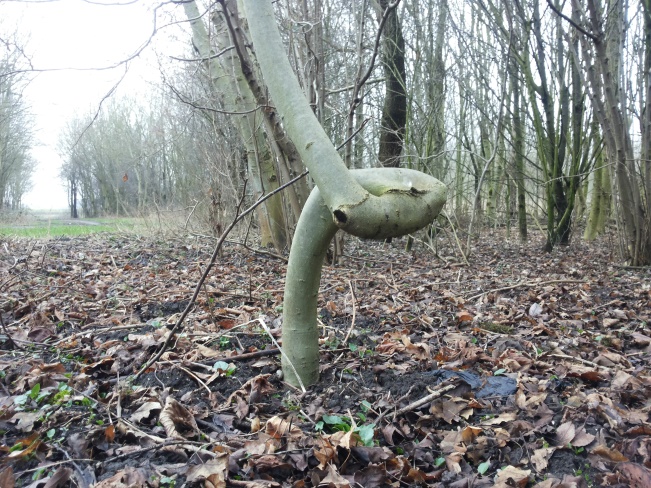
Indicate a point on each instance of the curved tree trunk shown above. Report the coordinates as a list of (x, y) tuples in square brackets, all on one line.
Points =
[(386, 203)]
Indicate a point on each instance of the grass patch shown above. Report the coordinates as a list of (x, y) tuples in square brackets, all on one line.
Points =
[(55, 230), (39, 228), (36, 224)]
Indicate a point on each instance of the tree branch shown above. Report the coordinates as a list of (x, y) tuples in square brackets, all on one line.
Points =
[(239, 216), (571, 22)]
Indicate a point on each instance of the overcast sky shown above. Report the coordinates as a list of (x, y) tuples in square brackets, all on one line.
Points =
[(75, 39)]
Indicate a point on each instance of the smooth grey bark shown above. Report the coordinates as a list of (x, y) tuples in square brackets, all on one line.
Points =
[(314, 231), (354, 209), (387, 203)]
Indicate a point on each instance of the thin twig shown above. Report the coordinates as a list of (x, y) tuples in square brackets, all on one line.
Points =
[(420, 402), (352, 322), (282, 353), (456, 238), (245, 356), (525, 284), (579, 360), (11, 340), (194, 377), (238, 217)]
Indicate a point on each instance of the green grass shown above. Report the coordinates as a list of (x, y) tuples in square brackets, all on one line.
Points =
[(40, 229), (55, 230)]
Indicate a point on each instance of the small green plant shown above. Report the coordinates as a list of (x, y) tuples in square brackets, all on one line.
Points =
[(483, 467), (38, 474), (16, 447), (34, 394), (332, 343), (291, 405), (227, 369), (163, 481), (365, 406), (63, 392), (337, 423), (224, 342), (577, 450), (584, 474)]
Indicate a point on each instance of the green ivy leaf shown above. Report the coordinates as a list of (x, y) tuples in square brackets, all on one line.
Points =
[(483, 467), (366, 434), (33, 394)]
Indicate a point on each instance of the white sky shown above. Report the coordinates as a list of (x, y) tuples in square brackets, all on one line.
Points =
[(69, 36)]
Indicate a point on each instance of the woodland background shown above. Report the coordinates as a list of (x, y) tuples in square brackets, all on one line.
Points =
[(533, 113)]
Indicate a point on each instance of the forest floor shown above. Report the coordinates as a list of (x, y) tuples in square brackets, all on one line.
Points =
[(519, 369)]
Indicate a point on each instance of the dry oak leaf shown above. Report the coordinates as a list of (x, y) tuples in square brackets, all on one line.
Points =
[(453, 462), (500, 419), (26, 420), (59, 479), (469, 434), (255, 389), (177, 420), (464, 316), (447, 410), (145, 411), (208, 352), (564, 434), (622, 379), (452, 442), (346, 440), (333, 479), (7, 478), (127, 478), (418, 350), (512, 476), (582, 438), (636, 475), (277, 428), (548, 483), (324, 452), (540, 458), (212, 472), (502, 436), (610, 454)]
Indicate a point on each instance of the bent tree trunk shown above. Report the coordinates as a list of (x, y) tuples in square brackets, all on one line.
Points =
[(375, 204)]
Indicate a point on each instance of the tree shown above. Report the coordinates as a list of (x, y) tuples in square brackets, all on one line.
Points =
[(604, 30), (394, 112), (367, 203), (16, 133), (226, 78)]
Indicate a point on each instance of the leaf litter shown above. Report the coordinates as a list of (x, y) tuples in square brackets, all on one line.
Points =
[(522, 369)]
